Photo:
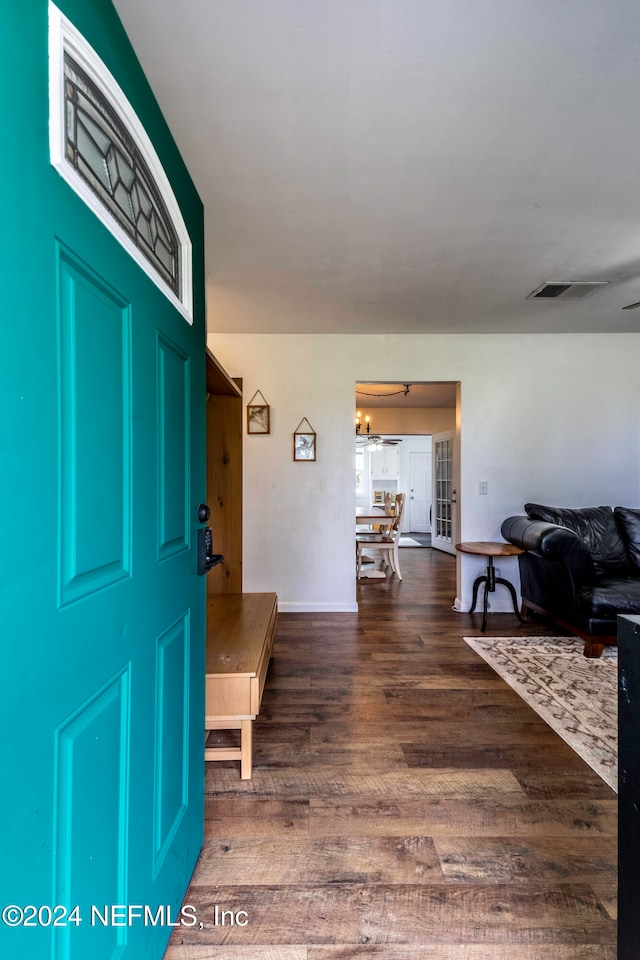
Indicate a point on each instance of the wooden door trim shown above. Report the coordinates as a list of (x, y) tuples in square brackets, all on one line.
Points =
[(224, 475)]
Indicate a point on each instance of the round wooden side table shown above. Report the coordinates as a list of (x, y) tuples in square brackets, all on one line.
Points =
[(490, 549)]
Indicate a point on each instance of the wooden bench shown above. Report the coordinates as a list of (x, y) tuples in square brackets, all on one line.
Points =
[(240, 629)]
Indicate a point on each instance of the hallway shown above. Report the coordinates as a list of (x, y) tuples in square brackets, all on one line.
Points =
[(406, 804)]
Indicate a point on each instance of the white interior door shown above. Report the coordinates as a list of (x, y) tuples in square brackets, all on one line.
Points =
[(444, 521), (419, 492)]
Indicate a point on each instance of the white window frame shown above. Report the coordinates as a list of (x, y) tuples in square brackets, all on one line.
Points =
[(65, 38)]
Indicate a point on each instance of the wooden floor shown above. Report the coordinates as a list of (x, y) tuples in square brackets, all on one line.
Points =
[(406, 804)]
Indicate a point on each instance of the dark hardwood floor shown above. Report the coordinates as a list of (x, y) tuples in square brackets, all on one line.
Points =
[(406, 804)]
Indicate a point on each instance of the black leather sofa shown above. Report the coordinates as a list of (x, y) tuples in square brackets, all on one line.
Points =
[(580, 568)]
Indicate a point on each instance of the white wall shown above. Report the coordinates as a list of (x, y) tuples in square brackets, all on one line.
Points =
[(549, 418)]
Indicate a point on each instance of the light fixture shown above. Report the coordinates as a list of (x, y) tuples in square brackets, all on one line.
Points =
[(394, 393), (359, 423)]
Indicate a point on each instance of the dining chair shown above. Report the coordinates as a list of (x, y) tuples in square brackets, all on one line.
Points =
[(386, 541), (389, 549)]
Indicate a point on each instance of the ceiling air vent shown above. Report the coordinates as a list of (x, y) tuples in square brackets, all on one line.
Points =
[(566, 289)]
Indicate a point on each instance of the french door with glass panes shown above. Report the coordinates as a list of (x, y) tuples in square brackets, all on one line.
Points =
[(444, 519)]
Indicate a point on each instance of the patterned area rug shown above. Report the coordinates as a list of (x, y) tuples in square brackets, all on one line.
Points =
[(577, 697)]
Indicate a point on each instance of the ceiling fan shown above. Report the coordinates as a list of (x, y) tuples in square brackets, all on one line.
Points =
[(374, 441)]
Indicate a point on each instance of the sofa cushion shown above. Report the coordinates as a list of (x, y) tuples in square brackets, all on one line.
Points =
[(628, 520), (596, 527), (608, 597)]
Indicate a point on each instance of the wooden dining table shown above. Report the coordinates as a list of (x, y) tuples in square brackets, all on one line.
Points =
[(368, 516)]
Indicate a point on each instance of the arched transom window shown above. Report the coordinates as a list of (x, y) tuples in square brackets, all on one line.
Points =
[(100, 147)]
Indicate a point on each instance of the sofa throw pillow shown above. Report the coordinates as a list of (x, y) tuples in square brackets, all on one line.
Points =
[(596, 527), (628, 519)]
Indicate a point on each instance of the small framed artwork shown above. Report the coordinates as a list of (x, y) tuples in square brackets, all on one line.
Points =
[(258, 416), (304, 441)]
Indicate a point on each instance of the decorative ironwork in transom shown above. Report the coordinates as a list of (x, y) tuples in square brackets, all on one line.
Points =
[(104, 154)]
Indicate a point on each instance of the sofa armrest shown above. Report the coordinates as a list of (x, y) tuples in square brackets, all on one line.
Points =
[(552, 542)]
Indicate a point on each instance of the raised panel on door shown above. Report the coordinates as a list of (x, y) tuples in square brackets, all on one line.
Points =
[(174, 437), (171, 763), (95, 447), (92, 861)]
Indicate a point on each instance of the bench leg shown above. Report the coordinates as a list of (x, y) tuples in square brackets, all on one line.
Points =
[(246, 749)]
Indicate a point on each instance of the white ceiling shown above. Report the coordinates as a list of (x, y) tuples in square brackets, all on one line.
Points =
[(405, 166)]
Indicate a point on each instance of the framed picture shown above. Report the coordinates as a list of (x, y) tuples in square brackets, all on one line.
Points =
[(304, 441), (258, 420), (304, 446), (258, 415)]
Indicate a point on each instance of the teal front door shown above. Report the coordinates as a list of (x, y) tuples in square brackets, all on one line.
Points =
[(102, 609)]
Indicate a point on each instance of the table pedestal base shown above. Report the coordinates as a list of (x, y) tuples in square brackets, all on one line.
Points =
[(491, 580)]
